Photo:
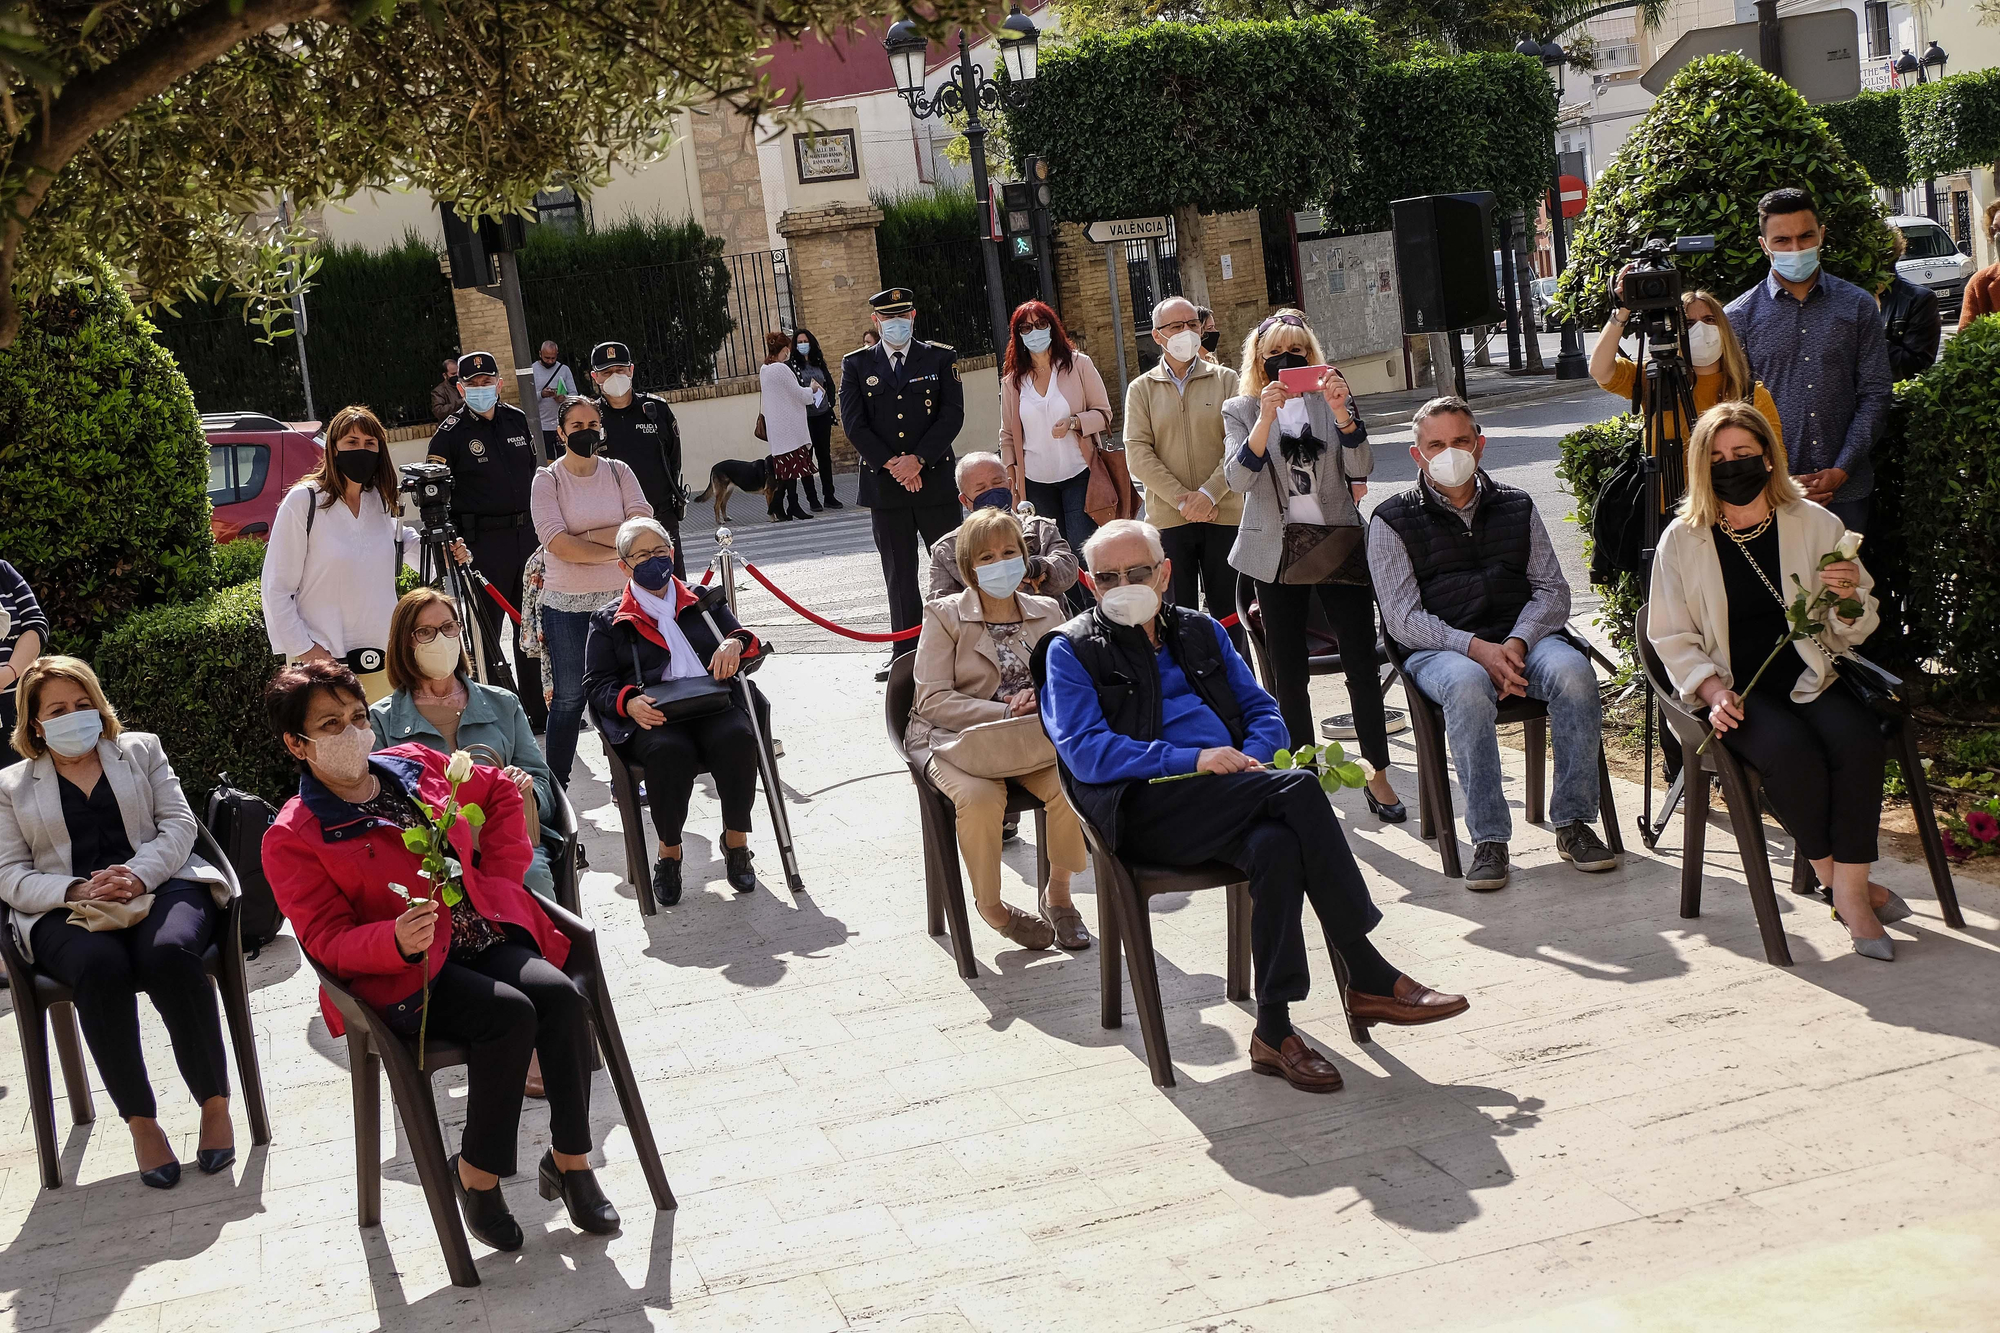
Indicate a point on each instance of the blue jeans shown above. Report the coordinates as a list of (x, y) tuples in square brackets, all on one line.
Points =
[(565, 633), (1558, 675), (1063, 502)]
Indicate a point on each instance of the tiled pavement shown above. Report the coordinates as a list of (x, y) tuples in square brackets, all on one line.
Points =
[(1640, 1124)]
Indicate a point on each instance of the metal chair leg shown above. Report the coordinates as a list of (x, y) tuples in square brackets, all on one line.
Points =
[(69, 1049), (1927, 829), (365, 1079)]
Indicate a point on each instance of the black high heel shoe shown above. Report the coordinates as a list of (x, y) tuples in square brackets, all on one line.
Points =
[(485, 1212), (589, 1210), (162, 1177), (1388, 813), (212, 1160)]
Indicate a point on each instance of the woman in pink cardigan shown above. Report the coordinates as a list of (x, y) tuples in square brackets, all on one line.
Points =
[(1052, 405)]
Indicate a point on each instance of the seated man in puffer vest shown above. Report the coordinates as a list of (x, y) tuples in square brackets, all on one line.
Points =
[(1471, 590), (1136, 689)]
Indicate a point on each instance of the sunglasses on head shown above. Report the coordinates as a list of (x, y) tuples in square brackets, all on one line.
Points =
[(1293, 320)]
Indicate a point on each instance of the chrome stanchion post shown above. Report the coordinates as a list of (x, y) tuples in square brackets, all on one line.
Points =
[(725, 559)]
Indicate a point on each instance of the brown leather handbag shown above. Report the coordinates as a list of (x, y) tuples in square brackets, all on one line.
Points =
[(1111, 493), (1316, 552)]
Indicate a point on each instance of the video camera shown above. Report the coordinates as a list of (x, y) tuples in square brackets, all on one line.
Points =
[(429, 485), (1650, 282)]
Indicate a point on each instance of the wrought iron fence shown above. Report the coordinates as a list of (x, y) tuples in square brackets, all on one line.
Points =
[(949, 280)]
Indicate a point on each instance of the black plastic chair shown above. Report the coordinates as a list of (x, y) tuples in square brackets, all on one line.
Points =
[(1742, 788), (1436, 817), (372, 1047), (561, 836), (36, 995), (1125, 891), (1322, 660), (944, 884)]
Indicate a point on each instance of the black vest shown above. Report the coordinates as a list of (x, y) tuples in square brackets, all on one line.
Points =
[(1473, 579), (1122, 664)]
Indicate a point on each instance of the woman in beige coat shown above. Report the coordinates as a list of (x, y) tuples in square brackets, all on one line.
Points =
[(975, 725), (1745, 541)]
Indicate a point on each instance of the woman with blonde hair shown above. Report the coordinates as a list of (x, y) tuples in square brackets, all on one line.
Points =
[(1301, 536), (1721, 368), (1745, 540), (976, 724)]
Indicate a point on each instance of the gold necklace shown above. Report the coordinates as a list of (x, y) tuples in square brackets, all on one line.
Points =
[(1749, 535)]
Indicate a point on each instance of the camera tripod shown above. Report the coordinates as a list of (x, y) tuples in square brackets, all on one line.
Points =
[(467, 588)]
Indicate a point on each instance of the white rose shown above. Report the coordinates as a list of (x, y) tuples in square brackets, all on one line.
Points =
[(460, 767), (1849, 546)]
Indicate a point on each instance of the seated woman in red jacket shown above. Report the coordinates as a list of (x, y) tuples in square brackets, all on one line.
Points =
[(495, 958)]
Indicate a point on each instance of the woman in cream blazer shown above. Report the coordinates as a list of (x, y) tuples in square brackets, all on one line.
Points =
[(972, 673), (1723, 574), (94, 831)]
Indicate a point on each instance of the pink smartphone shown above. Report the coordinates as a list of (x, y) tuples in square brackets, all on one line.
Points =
[(1303, 379)]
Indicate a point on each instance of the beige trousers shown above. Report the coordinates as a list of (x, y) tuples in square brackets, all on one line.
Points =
[(982, 808)]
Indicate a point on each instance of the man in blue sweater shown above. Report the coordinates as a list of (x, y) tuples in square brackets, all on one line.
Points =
[(1136, 689)]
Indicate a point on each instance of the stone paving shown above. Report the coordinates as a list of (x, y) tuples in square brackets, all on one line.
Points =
[(1640, 1124)]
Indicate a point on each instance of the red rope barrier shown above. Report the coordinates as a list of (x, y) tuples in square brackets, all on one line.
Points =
[(505, 605), (822, 621), (707, 577)]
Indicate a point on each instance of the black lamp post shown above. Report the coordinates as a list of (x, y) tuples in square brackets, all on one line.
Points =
[(967, 93), (1570, 361), (1931, 66)]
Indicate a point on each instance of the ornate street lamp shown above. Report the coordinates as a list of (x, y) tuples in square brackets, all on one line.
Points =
[(1930, 67), (1570, 361), (967, 93)]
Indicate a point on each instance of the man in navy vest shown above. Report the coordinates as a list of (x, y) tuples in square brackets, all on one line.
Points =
[(1136, 689), (1471, 590)]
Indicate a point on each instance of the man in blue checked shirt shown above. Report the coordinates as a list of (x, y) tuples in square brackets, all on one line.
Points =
[(1820, 346), (1137, 689)]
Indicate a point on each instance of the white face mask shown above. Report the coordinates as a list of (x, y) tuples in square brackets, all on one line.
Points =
[(438, 658), (1704, 344), (344, 758), (1130, 603), (617, 386), (1183, 345), (1452, 467)]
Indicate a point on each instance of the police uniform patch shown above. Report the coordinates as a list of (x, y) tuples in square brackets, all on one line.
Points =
[(874, 380), (476, 447)]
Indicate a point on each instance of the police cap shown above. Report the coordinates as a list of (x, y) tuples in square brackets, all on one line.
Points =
[(477, 363), (610, 354), (894, 301)]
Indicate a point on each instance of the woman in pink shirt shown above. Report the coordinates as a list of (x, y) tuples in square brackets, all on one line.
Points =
[(577, 503)]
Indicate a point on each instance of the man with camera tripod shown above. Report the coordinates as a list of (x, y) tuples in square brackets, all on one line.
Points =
[(492, 452)]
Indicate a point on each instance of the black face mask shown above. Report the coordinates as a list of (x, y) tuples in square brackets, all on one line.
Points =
[(1211, 340), (583, 443), (357, 465), (1283, 361), (1740, 480)]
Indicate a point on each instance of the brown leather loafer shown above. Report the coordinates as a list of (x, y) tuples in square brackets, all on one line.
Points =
[(1030, 932), (1413, 1004), (1296, 1063), (1067, 923)]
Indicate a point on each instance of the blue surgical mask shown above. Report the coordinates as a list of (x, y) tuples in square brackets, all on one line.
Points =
[(897, 332), (1795, 265), (1000, 578), (654, 574), (1037, 340), (74, 735), (997, 497), (481, 397)]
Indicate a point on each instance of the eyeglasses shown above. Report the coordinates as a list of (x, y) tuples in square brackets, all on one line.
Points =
[(1111, 578), (641, 557), (451, 629), (1184, 326)]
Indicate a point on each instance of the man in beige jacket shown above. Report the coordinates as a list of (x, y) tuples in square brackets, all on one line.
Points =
[(1173, 446)]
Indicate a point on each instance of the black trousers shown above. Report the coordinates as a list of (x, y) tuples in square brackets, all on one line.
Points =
[(505, 1004), (672, 753), (1350, 609), (820, 429), (160, 956), (501, 554), (1276, 827), (1200, 552), (1822, 769), (897, 541)]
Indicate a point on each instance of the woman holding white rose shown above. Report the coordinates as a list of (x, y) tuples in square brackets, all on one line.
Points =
[(1723, 577)]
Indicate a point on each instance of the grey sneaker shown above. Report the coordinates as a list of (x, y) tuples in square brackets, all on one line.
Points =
[(1489, 868), (1578, 844)]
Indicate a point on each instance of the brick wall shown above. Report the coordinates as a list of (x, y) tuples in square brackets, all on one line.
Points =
[(834, 271)]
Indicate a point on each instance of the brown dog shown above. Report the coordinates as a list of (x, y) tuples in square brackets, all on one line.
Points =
[(737, 474)]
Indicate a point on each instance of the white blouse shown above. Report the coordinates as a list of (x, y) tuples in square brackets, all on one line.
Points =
[(1300, 480), (336, 585), (1050, 459), (785, 401)]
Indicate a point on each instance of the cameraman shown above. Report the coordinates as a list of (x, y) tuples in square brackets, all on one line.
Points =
[(640, 432), (492, 452), (1721, 370), (329, 580)]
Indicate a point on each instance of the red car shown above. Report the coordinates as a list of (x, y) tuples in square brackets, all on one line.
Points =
[(253, 460)]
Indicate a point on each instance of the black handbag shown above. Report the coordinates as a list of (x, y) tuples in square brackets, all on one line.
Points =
[(1878, 690), (683, 698), (1314, 552)]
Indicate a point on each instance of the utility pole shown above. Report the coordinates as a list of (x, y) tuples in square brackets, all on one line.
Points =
[(517, 334), (298, 317)]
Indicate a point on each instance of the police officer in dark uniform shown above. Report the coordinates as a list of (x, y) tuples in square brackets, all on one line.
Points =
[(901, 405), (493, 453), (640, 432)]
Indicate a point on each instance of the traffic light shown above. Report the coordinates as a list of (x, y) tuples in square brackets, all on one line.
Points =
[(1017, 219), (472, 249), (1036, 169)]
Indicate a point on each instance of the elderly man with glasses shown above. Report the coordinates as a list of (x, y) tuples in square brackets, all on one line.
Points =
[(1136, 690)]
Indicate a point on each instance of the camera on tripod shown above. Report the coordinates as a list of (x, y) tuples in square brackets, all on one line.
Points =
[(1650, 285), (429, 485)]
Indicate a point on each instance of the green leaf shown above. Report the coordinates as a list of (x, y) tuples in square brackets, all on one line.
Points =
[(1352, 776), (474, 816), (451, 895), (417, 840), (1335, 753), (1282, 759), (1329, 782)]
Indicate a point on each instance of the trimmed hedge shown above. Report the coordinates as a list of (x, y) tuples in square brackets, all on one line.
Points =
[(1442, 125), (1721, 135), (103, 464), (1953, 123), (1870, 127), (240, 561), (1587, 458), (1217, 116), (924, 215)]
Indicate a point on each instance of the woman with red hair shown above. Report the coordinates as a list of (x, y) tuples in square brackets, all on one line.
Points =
[(1052, 406)]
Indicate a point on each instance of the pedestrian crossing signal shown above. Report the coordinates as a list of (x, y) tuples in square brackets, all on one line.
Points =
[(1022, 247)]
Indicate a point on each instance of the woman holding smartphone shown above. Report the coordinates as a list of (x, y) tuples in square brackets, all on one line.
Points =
[(1299, 456)]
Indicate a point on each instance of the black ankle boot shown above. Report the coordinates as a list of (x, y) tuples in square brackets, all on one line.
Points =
[(485, 1212), (589, 1210), (667, 880), (737, 862)]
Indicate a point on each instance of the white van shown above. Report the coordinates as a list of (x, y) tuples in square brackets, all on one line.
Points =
[(1933, 261)]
